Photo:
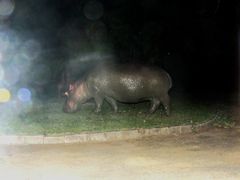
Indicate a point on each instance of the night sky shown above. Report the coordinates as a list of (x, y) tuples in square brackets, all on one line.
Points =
[(195, 41)]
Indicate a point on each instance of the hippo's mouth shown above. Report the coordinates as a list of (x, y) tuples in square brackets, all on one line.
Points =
[(70, 106), (69, 110)]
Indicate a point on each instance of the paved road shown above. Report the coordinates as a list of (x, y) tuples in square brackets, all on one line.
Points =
[(208, 155)]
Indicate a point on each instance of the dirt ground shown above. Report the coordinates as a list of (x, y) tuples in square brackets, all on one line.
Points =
[(214, 154)]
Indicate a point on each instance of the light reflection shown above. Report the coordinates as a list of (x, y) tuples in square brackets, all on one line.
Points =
[(41, 74), (21, 62), (4, 95), (1, 56), (94, 57), (6, 7), (93, 10), (12, 75), (96, 30), (4, 41), (24, 95), (9, 44), (31, 49), (1, 73)]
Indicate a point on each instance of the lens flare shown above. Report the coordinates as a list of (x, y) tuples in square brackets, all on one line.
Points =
[(12, 75), (93, 10), (31, 49), (21, 62), (1, 57), (4, 95), (41, 74), (96, 31), (4, 40), (96, 56), (1, 73), (6, 7), (24, 95)]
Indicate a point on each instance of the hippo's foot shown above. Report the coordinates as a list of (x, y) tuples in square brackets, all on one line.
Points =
[(167, 111), (97, 111), (115, 110), (155, 105), (113, 103)]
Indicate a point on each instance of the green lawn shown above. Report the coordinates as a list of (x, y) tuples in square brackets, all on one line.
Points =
[(48, 118)]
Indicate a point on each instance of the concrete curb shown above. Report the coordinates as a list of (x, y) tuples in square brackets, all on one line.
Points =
[(103, 136)]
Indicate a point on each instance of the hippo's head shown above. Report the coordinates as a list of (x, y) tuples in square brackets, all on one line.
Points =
[(76, 94)]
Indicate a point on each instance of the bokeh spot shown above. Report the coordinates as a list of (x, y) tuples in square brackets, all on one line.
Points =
[(4, 95)]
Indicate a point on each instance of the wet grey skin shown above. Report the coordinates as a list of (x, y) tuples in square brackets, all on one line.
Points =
[(121, 83)]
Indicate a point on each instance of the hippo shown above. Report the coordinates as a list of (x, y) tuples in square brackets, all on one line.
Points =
[(127, 83)]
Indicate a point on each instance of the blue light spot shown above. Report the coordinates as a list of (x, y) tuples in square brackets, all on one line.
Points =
[(24, 95)]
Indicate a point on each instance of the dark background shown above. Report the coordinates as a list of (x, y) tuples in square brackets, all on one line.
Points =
[(195, 41)]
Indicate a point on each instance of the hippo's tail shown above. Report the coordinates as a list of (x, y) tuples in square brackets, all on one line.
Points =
[(170, 80)]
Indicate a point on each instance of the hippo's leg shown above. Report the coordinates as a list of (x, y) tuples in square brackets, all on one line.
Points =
[(99, 102), (155, 104), (166, 103), (113, 103)]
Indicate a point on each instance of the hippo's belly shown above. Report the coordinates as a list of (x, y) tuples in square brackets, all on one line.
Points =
[(127, 90)]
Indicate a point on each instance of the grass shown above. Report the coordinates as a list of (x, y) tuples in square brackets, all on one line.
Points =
[(47, 118)]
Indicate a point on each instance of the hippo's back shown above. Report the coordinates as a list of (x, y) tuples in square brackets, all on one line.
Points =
[(128, 82)]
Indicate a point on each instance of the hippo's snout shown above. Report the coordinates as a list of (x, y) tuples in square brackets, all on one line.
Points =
[(70, 107)]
